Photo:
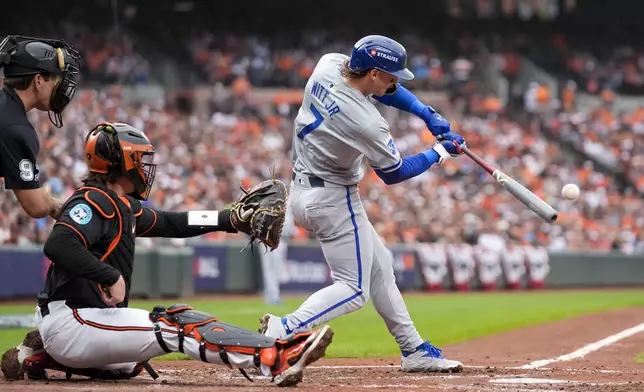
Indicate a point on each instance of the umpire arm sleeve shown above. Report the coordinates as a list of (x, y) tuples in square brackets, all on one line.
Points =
[(66, 247), (153, 223)]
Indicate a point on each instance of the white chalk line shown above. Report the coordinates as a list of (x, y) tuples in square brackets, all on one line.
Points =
[(497, 379), (465, 366), (587, 349), (548, 381), (515, 387), (340, 367), (381, 386)]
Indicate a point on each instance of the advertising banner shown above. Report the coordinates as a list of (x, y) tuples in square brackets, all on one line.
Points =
[(306, 270), (22, 272), (404, 263), (209, 268)]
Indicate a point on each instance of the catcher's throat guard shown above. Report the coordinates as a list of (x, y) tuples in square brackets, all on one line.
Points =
[(212, 334)]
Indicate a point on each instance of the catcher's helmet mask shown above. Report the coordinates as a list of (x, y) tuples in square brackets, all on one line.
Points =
[(123, 150), (381, 53), (24, 56)]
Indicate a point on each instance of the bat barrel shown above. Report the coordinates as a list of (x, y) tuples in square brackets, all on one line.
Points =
[(532, 201), (529, 199)]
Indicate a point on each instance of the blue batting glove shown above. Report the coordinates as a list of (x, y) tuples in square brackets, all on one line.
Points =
[(436, 123), (454, 148), (451, 136)]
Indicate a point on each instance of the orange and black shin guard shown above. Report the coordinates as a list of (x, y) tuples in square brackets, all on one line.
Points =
[(213, 335)]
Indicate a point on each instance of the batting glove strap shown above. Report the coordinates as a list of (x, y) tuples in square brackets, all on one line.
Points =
[(442, 153)]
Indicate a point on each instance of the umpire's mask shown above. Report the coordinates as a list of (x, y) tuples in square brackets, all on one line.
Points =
[(23, 56)]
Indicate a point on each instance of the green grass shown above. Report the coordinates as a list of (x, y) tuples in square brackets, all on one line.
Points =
[(444, 319), (639, 358)]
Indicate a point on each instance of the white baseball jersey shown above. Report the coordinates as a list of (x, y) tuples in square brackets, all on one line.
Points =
[(337, 127)]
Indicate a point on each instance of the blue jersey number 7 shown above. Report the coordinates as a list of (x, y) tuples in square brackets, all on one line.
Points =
[(312, 126)]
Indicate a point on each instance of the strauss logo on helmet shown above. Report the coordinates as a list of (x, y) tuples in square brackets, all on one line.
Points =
[(387, 57)]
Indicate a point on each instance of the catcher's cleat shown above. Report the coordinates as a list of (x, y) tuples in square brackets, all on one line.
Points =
[(294, 354), (13, 360), (36, 365), (31, 359)]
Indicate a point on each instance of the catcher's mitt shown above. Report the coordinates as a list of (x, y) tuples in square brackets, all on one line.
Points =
[(268, 202)]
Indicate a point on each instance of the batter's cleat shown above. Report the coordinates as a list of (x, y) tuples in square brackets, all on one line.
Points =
[(427, 358), (272, 326), (299, 351), (14, 363)]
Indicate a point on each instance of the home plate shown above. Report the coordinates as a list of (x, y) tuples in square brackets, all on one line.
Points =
[(527, 380)]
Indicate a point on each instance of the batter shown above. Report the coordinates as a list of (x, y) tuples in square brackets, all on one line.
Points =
[(336, 129)]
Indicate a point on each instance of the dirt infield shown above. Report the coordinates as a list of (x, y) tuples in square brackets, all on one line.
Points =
[(529, 359)]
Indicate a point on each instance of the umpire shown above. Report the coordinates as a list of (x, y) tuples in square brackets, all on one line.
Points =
[(38, 74)]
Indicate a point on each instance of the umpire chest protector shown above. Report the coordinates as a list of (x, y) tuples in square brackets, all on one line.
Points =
[(118, 245)]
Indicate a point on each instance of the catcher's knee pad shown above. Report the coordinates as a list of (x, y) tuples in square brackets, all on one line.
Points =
[(213, 334)]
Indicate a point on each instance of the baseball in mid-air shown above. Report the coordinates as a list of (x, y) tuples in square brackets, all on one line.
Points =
[(570, 191)]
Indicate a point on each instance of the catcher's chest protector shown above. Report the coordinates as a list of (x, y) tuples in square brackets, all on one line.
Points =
[(117, 249)]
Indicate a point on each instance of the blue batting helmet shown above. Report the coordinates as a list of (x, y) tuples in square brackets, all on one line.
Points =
[(382, 53)]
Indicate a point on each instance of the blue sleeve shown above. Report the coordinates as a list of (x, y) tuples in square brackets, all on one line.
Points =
[(406, 101), (411, 167)]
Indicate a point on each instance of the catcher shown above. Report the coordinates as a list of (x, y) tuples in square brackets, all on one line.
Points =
[(84, 324)]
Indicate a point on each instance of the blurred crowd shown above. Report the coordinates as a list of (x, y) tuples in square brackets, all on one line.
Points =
[(287, 61), (610, 63), (612, 138), (206, 155), (608, 134), (203, 159), (621, 69), (597, 66), (109, 54)]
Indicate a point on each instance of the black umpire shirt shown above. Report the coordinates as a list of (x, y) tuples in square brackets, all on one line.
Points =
[(19, 143)]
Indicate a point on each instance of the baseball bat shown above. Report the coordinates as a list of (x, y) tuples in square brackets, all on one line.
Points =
[(529, 199)]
